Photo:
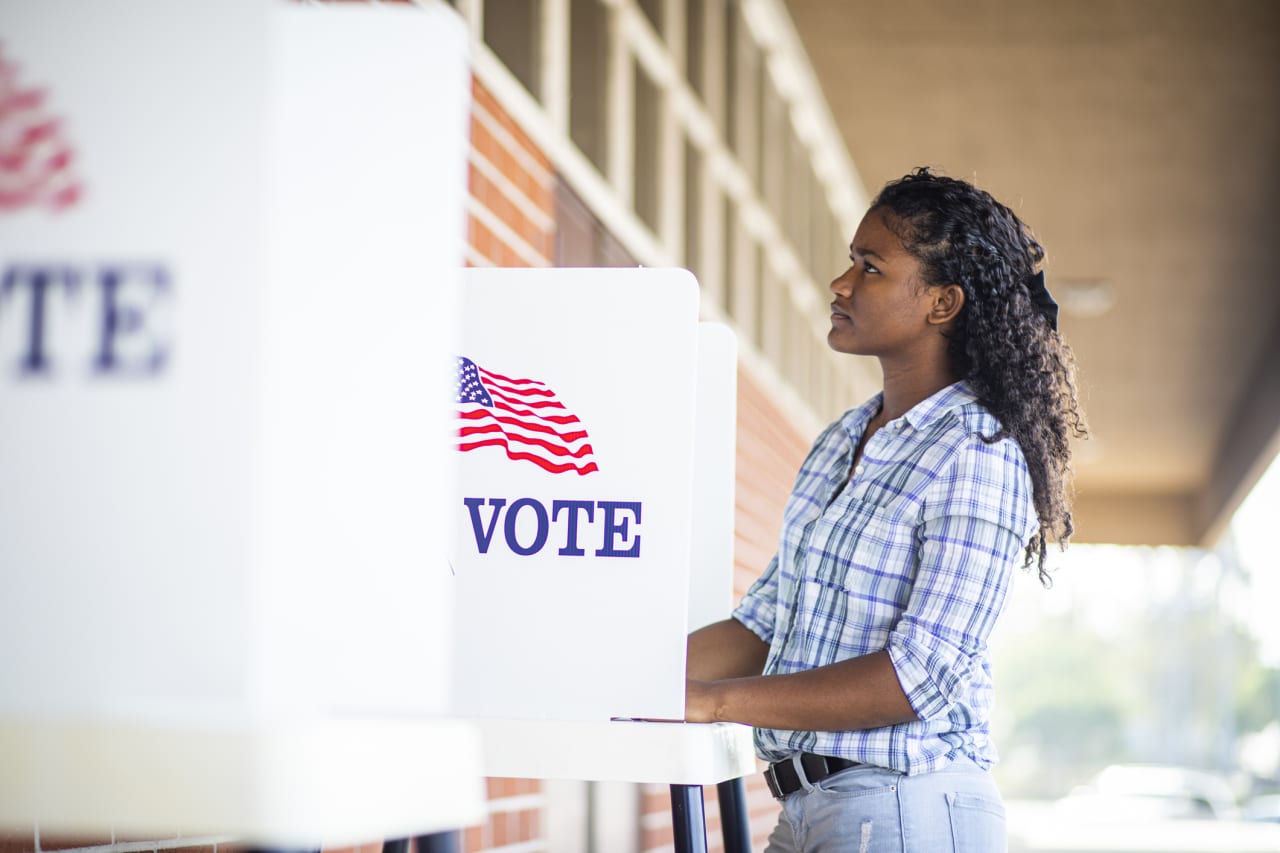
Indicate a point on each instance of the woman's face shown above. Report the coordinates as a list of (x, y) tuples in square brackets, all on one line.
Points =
[(881, 303)]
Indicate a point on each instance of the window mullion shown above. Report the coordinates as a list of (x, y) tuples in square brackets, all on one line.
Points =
[(555, 63), (620, 105)]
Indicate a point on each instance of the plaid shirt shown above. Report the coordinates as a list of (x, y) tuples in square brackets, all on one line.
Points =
[(914, 555)]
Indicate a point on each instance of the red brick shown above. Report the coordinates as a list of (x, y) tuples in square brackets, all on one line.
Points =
[(499, 836), (18, 842), (499, 788), (476, 184), (481, 95), (484, 143), (510, 258), (473, 839), (365, 847), (520, 138), (530, 824), (482, 240), (56, 841)]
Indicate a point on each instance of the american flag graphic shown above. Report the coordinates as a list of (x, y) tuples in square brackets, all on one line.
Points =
[(522, 416), (36, 168)]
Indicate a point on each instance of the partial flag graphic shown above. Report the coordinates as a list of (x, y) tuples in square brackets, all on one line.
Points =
[(522, 416), (36, 168)]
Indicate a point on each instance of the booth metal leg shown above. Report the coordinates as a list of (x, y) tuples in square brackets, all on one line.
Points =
[(688, 819), (440, 842), (733, 815)]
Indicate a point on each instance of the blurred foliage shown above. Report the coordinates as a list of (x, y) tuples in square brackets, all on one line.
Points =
[(1257, 694), (1176, 681)]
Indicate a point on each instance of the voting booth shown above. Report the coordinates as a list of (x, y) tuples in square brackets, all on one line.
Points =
[(230, 240), (571, 559), (596, 420)]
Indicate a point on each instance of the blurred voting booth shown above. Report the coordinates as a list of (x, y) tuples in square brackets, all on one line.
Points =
[(596, 424), (229, 314)]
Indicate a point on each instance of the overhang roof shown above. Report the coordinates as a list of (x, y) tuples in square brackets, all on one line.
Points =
[(1141, 141)]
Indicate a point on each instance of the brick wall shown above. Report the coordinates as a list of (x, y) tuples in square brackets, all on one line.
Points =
[(519, 214), (511, 205)]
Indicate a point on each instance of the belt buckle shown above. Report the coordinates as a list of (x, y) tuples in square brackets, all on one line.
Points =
[(771, 780)]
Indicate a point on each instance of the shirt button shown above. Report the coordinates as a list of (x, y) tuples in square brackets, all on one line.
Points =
[(858, 471)]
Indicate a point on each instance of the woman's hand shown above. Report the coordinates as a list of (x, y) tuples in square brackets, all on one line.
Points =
[(699, 701), (859, 693)]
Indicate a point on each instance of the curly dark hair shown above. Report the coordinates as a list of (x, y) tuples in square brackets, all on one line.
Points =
[(1001, 345)]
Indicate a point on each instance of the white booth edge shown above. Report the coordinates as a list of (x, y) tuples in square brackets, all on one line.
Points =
[(668, 753), (297, 784)]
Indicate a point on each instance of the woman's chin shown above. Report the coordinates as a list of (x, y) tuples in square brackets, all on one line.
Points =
[(840, 340)]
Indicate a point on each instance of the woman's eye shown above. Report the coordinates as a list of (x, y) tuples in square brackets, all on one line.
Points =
[(867, 266)]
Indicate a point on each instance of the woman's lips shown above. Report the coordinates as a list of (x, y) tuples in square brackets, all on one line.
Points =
[(837, 314)]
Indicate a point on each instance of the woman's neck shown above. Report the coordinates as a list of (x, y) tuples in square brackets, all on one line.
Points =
[(905, 388)]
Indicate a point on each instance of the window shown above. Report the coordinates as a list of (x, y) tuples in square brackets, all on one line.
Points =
[(796, 188), (772, 336), (695, 37), (742, 291), (732, 25), (512, 29), (728, 243), (653, 11), (646, 176), (753, 203), (773, 150), (588, 66), (818, 251), (742, 94), (693, 241)]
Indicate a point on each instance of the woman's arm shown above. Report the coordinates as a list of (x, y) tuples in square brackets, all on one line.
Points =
[(726, 649), (971, 542), (860, 693)]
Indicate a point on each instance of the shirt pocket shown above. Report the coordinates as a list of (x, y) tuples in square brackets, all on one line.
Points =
[(861, 561)]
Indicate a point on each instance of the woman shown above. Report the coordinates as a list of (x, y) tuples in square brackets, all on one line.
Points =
[(860, 655)]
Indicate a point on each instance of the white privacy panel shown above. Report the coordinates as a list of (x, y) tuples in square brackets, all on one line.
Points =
[(715, 446), (227, 317), (576, 407)]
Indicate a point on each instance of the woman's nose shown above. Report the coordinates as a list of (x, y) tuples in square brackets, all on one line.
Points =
[(840, 285)]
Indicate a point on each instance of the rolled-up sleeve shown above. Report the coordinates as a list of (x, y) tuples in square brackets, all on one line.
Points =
[(976, 519), (759, 606)]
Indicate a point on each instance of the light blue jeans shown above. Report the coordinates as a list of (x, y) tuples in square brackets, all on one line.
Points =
[(868, 809)]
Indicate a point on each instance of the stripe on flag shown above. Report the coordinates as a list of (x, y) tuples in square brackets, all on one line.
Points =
[(523, 417)]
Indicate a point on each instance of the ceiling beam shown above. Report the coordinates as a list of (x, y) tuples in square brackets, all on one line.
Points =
[(1250, 441), (1110, 518)]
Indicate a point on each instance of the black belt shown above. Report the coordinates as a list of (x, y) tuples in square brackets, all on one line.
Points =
[(783, 778)]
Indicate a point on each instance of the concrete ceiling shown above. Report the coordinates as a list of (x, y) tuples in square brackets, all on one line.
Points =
[(1141, 141)]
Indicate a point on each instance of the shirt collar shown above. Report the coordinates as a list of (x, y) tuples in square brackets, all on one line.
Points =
[(919, 416)]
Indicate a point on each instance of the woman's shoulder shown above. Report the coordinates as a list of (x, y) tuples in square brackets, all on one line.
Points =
[(954, 415), (985, 478), (967, 436)]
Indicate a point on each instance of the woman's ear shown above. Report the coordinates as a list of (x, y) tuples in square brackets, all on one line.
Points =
[(948, 299)]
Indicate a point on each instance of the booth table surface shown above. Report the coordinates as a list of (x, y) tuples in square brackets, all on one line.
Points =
[(617, 751), (286, 784)]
